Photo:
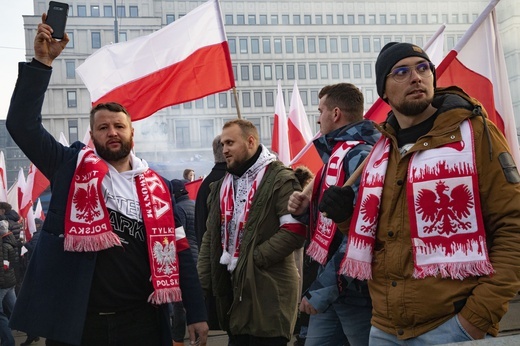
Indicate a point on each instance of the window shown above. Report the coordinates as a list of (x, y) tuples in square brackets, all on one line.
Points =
[(414, 19), (121, 12), (303, 96), (199, 104), (72, 101), (361, 19), (289, 46), (296, 19), (307, 19), (341, 19), (82, 11), (285, 19), (268, 72), (278, 71), (404, 19), (377, 44), (444, 18), (122, 36), (333, 45), (94, 11), (290, 71), (241, 19), (318, 19), (263, 19), (211, 100), (371, 19), (244, 72), (207, 132), (274, 19), (96, 39), (350, 19), (243, 45), (357, 70), (257, 98), (246, 99), (232, 43), (251, 19), (344, 45), (355, 44), (424, 19), (107, 11), (278, 46), (393, 19), (222, 100), (134, 11), (187, 105), (71, 40), (256, 72), (368, 70), (301, 72), (311, 44), (255, 46), (313, 71), (73, 130), (182, 134), (346, 70), (369, 96), (329, 19), (266, 45), (70, 67), (382, 19), (455, 18), (314, 97), (334, 71), (366, 44), (322, 42), (229, 19), (300, 45), (465, 18), (269, 98), (324, 71), (170, 18)]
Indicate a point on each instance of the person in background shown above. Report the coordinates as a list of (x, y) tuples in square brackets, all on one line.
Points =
[(339, 306), (105, 253), (188, 174), (246, 259), (436, 225), (7, 282)]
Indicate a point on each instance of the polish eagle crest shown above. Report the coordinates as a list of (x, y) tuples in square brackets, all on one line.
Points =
[(444, 212), (369, 212), (86, 203), (164, 254)]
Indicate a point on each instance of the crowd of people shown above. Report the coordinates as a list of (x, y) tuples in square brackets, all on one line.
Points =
[(421, 246)]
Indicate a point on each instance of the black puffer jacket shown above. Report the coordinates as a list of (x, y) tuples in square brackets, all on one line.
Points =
[(10, 261)]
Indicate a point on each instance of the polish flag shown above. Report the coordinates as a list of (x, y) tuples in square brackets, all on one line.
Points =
[(30, 225), (186, 60), (15, 192), (36, 183), (434, 48), (193, 187), (87, 140), (477, 65), (38, 211), (280, 139), (3, 178), (63, 140), (299, 129), (308, 157)]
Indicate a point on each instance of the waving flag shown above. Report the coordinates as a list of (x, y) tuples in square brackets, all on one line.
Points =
[(299, 129), (477, 65), (434, 48), (308, 156), (186, 60), (3, 178), (280, 139), (38, 211), (193, 188)]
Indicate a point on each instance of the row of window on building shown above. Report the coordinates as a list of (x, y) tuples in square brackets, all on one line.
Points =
[(108, 11)]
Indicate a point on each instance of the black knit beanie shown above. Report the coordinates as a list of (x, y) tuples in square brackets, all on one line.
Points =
[(391, 53)]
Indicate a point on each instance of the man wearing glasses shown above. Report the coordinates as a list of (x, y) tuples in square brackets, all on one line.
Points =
[(436, 224)]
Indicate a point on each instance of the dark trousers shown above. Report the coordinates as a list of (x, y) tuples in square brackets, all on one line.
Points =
[(135, 327), (249, 340)]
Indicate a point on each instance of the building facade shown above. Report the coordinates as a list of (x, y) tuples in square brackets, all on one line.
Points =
[(314, 43)]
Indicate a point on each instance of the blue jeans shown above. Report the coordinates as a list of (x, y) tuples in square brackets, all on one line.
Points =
[(449, 332), (7, 297), (339, 323)]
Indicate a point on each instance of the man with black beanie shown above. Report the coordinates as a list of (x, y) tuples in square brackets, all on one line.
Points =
[(435, 224)]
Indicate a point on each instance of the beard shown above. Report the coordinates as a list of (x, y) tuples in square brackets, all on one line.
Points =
[(111, 155), (411, 108)]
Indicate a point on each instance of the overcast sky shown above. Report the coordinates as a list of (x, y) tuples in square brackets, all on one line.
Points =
[(12, 46)]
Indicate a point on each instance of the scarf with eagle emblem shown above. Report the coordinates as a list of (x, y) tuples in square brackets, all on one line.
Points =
[(446, 227), (88, 228)]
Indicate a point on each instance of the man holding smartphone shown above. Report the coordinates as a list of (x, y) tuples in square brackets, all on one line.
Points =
[(107, 262)]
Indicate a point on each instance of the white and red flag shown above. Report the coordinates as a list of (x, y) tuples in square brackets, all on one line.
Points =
[(299, 129), (186, 60), (38, 211), (36, 183), (308, 156), (477, 65), (3, 178), (279, 138)]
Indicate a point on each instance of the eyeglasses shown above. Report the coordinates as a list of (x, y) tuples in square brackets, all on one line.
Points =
[(403, 73)]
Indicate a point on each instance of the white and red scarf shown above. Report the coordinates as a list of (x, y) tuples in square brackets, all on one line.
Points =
[(88, 228), (446, 227), (323, 228)]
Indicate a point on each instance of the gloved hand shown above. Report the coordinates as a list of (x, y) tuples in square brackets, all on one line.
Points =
[(337, 203)]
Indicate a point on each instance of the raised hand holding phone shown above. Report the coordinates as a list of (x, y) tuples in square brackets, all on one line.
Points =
[(57, 18)]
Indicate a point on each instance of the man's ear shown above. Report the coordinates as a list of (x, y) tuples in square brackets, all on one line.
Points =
[(337, 114)]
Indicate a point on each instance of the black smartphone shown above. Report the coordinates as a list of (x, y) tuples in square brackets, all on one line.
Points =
[(57, 18)]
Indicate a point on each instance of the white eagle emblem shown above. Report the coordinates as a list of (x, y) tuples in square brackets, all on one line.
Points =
[(164, 256)]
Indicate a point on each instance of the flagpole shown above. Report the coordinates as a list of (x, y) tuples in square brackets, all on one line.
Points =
[(236, 102), (434, 37), (476, 24)]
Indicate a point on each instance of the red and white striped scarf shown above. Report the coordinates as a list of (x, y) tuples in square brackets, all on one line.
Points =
[(323, 228), (88, 228), (446, 227)]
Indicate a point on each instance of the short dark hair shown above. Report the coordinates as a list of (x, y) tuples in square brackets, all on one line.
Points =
[(6, 206), (109, 106), (345, 96)]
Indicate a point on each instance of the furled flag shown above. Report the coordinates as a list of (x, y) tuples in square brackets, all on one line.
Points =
[(434, 48), (15, 192), (299, 129), (186, 60), (279, 139), (3, 178), (477, 65)]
